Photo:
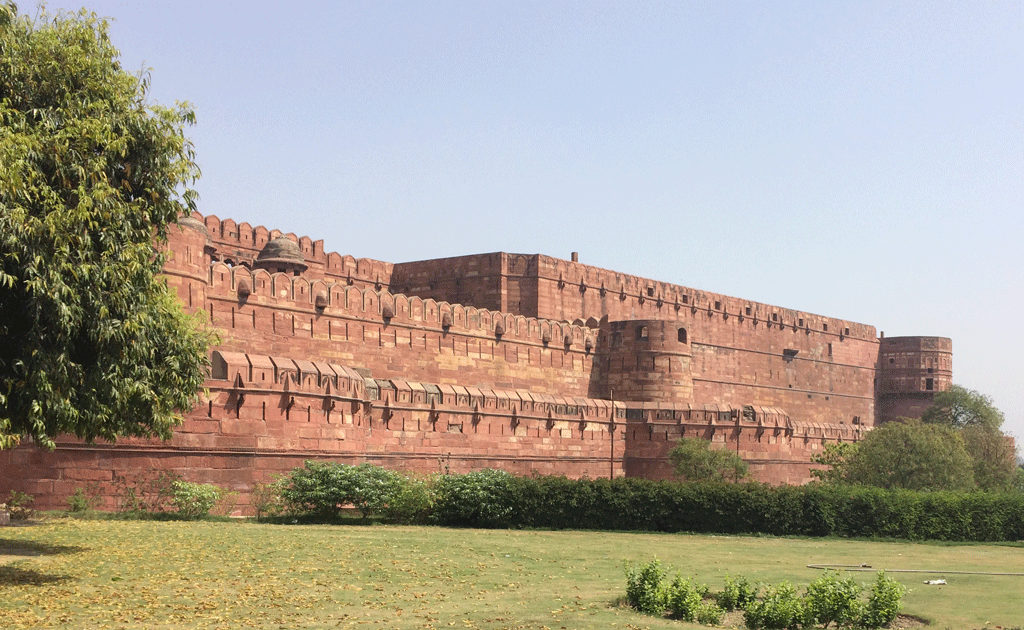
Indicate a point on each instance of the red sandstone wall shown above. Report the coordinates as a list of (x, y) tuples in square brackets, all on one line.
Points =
[(777, 449), (478, 386), (269, 414), (738, 347)]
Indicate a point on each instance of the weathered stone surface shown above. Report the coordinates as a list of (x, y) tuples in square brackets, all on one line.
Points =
[(490, 360)]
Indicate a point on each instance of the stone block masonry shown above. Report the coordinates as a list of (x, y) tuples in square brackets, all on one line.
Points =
[(520, 362)]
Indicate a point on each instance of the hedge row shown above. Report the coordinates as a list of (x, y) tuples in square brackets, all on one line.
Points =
[(494, 499)]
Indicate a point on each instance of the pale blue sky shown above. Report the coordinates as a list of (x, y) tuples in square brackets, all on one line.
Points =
[(862, 160)]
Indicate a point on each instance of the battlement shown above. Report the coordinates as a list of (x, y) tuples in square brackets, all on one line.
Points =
[(523, 362)]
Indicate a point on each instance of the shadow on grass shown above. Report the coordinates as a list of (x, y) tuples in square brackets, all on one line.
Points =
[(13, 575), (9, 547)]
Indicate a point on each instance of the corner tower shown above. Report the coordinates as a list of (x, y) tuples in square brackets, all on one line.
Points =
[(911, 370)]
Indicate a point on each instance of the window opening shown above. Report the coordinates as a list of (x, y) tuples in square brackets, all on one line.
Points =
[(682, 335), (641, 333)]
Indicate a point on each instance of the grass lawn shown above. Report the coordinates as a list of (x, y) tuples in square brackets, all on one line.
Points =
[(142, 574)]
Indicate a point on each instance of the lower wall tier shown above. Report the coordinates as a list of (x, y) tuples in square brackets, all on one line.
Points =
[(249, 430)]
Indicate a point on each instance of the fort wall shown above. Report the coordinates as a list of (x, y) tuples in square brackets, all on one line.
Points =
[(522, 362)]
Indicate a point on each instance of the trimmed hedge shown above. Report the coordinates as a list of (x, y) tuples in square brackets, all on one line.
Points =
[(496, 499), (750, 508)]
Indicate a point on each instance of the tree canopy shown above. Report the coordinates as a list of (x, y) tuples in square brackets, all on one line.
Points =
[(92, 341), (959, 407), (911, 455), (960, 447), (694, 460)]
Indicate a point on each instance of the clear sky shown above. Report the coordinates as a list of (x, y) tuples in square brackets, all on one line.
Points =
[(861, 160)]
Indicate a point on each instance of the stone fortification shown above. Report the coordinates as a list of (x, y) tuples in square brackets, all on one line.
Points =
[(521, 362)]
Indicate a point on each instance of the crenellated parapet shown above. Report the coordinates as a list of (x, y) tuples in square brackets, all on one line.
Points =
[(777, 448)]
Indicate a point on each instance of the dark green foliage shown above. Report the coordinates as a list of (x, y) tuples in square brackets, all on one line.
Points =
[(323, 489), (645, 590), (959, 407), (483, 498), (883, 602), (833, 600), (737, 593), (91, 178), (913, 456), (695, 460), (779, 609), (496, 499)]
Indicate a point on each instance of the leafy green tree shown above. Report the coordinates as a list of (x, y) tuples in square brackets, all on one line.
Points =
[(92, 176), (959, 407), (912, 455), (694, 460), (994, 456), (837, 457), (978, 421)]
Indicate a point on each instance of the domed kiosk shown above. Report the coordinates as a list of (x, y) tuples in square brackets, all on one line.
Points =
[(281, 255)]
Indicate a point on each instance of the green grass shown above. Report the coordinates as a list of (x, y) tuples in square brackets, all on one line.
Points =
[(151, 574)]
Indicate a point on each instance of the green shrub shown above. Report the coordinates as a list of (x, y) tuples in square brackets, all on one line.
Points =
[(883, 602), (18, 506), (645, 590), (683, 598), (831, 599), (736, 593), (483, 498), (779, 609), (709, 614), (413, 503), (194, 500), (322, 489), (83, 500)]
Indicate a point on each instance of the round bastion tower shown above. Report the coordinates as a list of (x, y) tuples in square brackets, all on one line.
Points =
[(649, 360), (188, 264), (911, 370)]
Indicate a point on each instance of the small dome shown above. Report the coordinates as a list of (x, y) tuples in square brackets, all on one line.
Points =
[(193, 223), (282, 248)]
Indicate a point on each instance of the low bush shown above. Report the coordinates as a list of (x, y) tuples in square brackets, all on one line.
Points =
[(266, 500), (737, 593), (883, 602), (323, 489), (145, 492), (83, 500), (413, 503), (645, 590), (194, 500), (19, 506), (778, 609), (829, 601), (833, 600), (496, 499), (685, 599), (482, 498)]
